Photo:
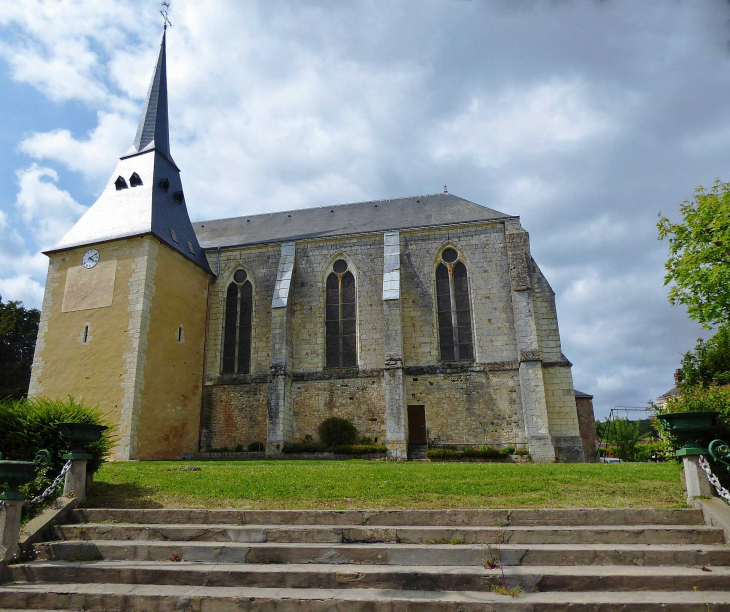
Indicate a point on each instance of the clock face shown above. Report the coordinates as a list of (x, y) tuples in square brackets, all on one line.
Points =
[(91, 258)]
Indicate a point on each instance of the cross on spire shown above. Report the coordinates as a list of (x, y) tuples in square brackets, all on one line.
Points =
[(165, 18)]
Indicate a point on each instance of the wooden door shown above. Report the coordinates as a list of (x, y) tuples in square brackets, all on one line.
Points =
[(417, 425)]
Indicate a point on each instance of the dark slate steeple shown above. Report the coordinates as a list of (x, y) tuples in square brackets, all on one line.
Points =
[(153, 131), (144, 194)]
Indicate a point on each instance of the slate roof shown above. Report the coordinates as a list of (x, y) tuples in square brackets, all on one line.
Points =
[(154, 203), (581, 394), (356, 218), (153, 131)]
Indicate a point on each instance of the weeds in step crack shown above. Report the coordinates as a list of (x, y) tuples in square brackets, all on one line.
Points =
[(494, 561)]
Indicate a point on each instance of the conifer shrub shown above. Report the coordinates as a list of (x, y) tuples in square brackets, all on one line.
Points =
[(336, 431), (29, 425)]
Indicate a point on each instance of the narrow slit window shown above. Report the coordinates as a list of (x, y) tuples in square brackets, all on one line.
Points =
[(453, 308), (238, 324), (86, 333), (179, 334), (341, 317)]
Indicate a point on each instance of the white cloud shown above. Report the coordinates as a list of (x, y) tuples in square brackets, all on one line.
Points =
[(22, 288), (95, 156), (3, 220), (521, 121), (49, 210), (59, 47)]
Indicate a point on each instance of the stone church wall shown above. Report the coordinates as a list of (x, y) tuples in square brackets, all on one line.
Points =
[(233, 414), (479, 403), (365, 259), (260, 264), (361, 400), (483, 248), (470, 407)]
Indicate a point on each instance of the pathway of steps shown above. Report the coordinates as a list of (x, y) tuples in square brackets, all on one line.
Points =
[(376, 561)]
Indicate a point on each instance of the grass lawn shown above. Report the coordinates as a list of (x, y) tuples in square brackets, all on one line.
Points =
[(367, 484)]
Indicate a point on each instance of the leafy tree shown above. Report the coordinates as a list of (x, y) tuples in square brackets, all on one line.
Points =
[(709, 363), (18, 332), (699, 255), (626, 436)]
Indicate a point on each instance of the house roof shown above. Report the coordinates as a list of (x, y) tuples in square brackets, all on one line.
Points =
[(671, 393), (581, 394), (343, 219)]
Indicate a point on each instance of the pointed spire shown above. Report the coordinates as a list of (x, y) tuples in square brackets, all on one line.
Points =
[(153, 131)]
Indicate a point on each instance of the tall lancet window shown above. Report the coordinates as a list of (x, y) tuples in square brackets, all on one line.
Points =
[(237, 325), (341, 317), (454, 313)]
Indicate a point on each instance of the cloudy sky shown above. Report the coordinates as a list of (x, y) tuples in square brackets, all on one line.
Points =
[(585, 118)]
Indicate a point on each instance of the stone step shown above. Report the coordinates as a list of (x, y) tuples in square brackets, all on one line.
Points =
[(445, 518), (616, 534), (389, 554), (157, 598), (395, 577)]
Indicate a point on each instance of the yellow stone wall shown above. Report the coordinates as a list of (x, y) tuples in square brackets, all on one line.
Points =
[(129, 362), (169, 416), (65, 365)]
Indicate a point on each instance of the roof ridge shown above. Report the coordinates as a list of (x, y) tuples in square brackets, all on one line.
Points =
[(291, 210)]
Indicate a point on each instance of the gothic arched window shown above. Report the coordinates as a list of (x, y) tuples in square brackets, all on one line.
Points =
[(454, 313), (341, 317), (237, 325)]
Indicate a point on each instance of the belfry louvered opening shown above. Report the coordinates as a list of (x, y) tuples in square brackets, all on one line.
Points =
[(453, 308), (341, 317), (236, 357)]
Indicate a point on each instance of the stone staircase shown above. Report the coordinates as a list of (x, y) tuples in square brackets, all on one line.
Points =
[(376, 561)]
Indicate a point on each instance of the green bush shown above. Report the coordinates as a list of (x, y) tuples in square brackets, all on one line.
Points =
[(255, 447), (361, 449), (336, 431), (483, 452), (523, 452), (507, 450), (304, 447), (29, 425), (343, 449)]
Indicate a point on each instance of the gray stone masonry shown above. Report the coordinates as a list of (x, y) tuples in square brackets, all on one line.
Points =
[(279, 399), (75, 483), (532, 384), (396, 423), (695, 479), (517, 391), (10, 528)]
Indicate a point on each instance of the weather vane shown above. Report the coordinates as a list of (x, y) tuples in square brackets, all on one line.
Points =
[(163, 12)]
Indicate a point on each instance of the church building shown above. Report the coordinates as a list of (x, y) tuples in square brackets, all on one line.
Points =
[(421, 319)]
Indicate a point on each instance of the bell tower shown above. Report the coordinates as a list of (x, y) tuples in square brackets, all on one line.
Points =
[(124, 309)]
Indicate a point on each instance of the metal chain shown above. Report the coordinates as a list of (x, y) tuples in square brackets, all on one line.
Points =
[(721, 491), (51, 489)]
